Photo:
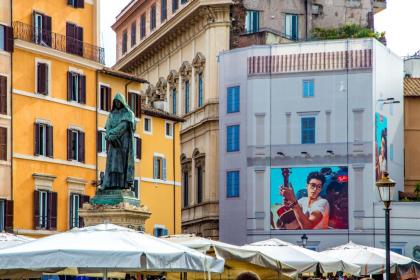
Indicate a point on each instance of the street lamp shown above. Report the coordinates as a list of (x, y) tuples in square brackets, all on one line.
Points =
[(386, 188), (304, 240)]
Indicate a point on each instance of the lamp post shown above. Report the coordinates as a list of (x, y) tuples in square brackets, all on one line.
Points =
[(386, 188), (304, 240)]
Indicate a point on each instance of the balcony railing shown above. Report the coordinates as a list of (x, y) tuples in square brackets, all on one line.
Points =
[(58, 42)]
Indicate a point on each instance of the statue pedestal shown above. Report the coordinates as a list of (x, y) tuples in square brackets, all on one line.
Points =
[(118, 207)]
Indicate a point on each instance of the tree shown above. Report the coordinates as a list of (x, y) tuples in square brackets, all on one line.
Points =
[(345, 32), (417, 191)]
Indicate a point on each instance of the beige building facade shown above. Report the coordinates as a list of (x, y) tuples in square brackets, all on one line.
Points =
[(174, 44), (6, 47)]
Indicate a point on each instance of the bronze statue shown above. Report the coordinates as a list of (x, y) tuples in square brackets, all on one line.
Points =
[(120, 127)]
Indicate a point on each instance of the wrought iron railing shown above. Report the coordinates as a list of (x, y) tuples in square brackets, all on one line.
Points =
[(58, 42)]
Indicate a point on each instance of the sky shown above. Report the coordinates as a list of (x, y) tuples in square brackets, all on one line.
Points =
[(400, 20)]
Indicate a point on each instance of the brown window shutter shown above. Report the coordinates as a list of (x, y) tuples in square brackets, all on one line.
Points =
[(79, 38), (80, 3), (70, 36), (52, 211), (46, 81), (3, 95), (41, 78), (8, 216), (36, 138), (108, 101), (138, 147), (83, 199), (81, 147), (71, 211), (3, 143), (69, 144), (82, 89), (99, 141), (69, 85), (8, 43), (36, 209), (130, 103), (50, 141), (46, 30), (138, 106)]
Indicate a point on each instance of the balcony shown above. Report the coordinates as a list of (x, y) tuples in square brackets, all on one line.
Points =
[(379, 5), (58, 42), (262, 37)]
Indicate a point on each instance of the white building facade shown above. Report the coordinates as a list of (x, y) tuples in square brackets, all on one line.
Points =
[(322, 106)]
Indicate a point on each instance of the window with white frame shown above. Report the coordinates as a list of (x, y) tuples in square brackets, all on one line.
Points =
[(102, 143), (43, 209), (159, 167), (147, 125), (169, 129), (43, 140)]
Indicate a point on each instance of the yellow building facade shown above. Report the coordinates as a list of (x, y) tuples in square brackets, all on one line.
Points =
[(57, 117)]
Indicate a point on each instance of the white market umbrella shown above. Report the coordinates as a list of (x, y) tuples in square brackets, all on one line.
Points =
[(104, 248), (371, 260), (303, 260), (9, 240)]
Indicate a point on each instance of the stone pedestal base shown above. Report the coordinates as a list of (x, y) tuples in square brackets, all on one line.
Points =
[(123, 214)]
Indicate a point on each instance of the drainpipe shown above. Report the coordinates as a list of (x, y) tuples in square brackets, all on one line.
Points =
[(11, 107), (306, 19), (97, 88), (174, 177)]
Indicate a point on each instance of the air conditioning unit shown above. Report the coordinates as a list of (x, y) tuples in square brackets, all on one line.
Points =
[(316, 9)]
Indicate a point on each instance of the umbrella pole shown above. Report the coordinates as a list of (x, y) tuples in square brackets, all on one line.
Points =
[(105, 273)]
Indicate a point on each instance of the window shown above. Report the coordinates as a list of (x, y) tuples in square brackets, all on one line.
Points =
[(163, 10), (133, 34), (45, 210), (142, 26), (3, 143), (102, 144), (2, 214), (174, 5), (200, 89), (43, 140), (169, 129), (74, 39), (160, 231), (42, 29), (291, 26), (174, 100), (200, 179), (42, 78), (6, 38), (76, 202), (159, 168), (75, 145), (105, 98), (233, 94), (153, 17), (308, 130), (76, 87), (134, 102), (184, 1), (398, 250), (76, 3), (233, 138), (186, 191), (252, 21), (3, 95), (124, 42), (232, 184), (308, 88), (6, 215), (135, 188), (187, 97), (147, 125), (137, 147)]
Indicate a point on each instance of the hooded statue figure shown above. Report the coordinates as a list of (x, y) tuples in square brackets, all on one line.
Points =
[(120, 127)]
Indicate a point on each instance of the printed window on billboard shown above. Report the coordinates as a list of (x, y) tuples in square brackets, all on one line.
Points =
[(308, 88), (252, 21), (291, 26), (232, 136), (308, 130), (232, 184), (233, 101)]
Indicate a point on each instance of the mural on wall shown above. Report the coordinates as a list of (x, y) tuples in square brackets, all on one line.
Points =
[(381, 148), (309, 198)]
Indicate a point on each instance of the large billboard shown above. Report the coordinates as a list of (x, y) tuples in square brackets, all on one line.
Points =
[(381, 148), (309, 198)]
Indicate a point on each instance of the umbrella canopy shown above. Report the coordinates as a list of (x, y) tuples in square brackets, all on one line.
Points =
[(303, 260), (371, 260), (9, 240), (106, 246)]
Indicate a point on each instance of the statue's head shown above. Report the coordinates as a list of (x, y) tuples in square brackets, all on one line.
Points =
[(118, 104)]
